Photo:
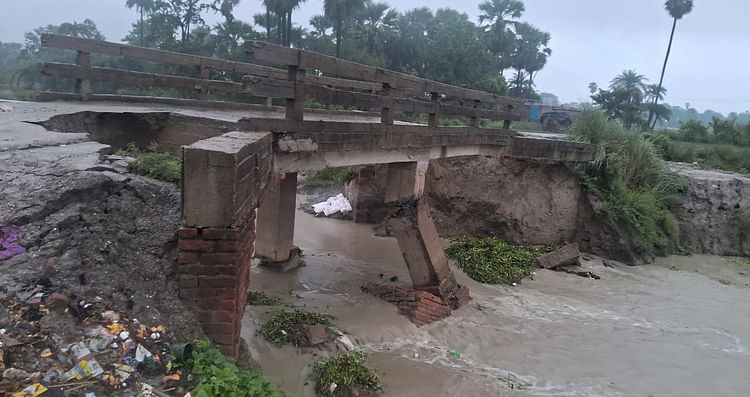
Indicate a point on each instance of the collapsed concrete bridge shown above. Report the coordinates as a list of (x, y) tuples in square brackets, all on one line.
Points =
[(239, 187)]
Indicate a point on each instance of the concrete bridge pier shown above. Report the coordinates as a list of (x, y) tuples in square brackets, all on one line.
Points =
[(275, 223), (223, 177), (414, 229)]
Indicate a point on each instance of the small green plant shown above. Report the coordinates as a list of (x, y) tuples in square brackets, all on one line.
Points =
[(342, 371), (493, 261), (218, 377), (330, 177), (284, 326), (260, 298), (153, 162)]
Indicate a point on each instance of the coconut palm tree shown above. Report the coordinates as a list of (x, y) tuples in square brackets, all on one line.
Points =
[(375, 20), (143, 7), (677, 9), (499, 16), (339, 11)]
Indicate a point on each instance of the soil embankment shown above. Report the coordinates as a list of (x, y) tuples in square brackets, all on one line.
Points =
[(540, 203)]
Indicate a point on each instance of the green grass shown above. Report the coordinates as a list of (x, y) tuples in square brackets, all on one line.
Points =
[(344, 370), (720, 156), (153, 163), (329, 177), (493, 261), (259, 298), (284, 326), (632, 180), (218, 377)]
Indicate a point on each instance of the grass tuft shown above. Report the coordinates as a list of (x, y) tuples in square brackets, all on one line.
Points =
[(493, 261), (284, 326), (260, 298), (632, 179), (153, 163), (344, 370)]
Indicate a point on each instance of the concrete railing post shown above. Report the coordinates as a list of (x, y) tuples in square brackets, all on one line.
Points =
[(83, 86)]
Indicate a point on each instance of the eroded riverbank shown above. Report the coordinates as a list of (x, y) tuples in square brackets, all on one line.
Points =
[(662, 330)]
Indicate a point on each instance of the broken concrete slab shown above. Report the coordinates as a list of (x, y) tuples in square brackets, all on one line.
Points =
[(567, 255)]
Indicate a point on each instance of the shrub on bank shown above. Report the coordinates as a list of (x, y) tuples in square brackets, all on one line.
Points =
[(218, 377), (153, 163), (632, 180)]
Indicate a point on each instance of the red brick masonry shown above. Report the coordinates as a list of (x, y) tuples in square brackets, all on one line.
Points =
[(214, 272), (421, 307)]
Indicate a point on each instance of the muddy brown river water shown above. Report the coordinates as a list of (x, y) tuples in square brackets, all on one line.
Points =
[(680, 327)]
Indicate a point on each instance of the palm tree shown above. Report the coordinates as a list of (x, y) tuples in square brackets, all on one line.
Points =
[(375, 20), (499, 16), (143, 7), (290, 5), (498, 13), (339, 11), (677, 9)]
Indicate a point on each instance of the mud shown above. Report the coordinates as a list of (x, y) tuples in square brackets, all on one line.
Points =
[(639, 331), (89, 229)]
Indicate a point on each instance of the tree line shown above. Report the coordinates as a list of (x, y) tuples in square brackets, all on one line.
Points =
[(500, 53)]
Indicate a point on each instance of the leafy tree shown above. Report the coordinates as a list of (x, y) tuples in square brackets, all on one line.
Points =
[(143, 7), (340, 11), (86, 29), (677, 10)]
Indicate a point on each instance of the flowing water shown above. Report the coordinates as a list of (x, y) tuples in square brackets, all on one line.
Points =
[(680, 327)]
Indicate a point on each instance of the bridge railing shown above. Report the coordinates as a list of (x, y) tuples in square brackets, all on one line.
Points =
[(301, 75)]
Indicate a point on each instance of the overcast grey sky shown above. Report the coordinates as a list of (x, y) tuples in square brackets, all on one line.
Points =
[(592, 40)]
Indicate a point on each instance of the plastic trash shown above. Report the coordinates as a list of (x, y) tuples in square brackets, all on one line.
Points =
[(34, 390), (333, 205), (454, 354), (9, 247)]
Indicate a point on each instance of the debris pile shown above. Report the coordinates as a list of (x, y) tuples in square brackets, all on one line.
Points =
[(421, 307), (53, 344)]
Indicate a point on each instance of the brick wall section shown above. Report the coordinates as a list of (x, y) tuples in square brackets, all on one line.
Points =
[(223, 178), (420, 306)]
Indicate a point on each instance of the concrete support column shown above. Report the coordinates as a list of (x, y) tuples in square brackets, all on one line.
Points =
[(401, 182), (414, 228), (223, 177), (366, 193), (275, 222)]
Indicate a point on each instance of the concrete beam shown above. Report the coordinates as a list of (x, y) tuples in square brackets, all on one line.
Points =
[(275, 220)]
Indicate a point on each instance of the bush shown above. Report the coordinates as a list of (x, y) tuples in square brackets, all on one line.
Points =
[(492, 261), (344, 370), (217, 377), (284, 326), (330, 177), (632, 179), (153, 163)]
